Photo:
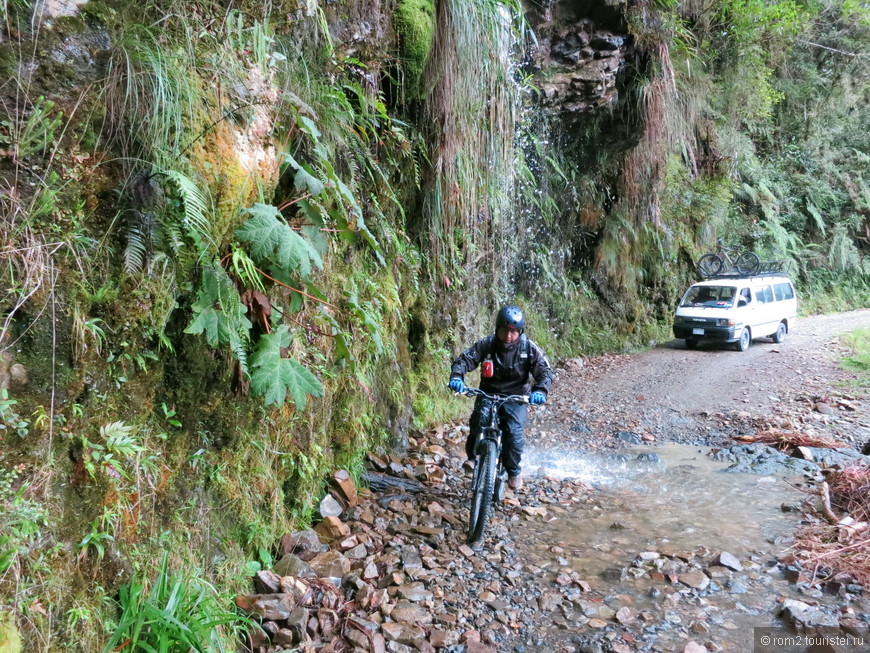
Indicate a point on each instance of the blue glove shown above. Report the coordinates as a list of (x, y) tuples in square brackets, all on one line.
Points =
[(456, 384), (537, 398)]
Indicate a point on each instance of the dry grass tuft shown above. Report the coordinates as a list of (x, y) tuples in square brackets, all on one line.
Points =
[(840, 550)]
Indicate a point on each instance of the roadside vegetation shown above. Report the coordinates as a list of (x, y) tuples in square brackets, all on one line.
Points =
[(859, 360)]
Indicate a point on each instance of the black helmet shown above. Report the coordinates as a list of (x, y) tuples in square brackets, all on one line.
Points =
[(510, 316)]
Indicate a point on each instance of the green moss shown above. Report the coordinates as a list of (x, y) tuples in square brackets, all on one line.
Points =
[(10, 641), (414, 22)]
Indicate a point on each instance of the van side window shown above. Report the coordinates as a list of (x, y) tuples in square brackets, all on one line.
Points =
[(764, 294), (783, 291), (745, 294)]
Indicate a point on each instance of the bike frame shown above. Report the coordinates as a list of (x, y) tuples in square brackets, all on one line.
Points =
[(488, 482)]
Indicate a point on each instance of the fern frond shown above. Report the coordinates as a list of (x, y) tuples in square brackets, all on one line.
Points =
[(196, 210), (136, 251)]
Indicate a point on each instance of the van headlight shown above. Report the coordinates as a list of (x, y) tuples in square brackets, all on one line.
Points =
[(726, 322), (679, 320)]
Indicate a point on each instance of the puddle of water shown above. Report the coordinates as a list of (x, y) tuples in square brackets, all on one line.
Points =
[(682, 503)]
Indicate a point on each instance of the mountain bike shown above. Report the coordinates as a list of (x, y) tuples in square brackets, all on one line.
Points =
[(490, 477), (720, 262)]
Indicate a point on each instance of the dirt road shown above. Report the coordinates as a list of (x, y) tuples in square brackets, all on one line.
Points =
[(664, 391)]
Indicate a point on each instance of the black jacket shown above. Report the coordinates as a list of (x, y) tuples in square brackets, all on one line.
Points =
[(518, 369)]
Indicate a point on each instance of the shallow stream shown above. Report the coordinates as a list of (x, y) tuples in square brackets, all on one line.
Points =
[(682, 507)]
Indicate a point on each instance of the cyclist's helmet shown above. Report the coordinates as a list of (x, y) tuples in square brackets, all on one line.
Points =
[(510, 316)]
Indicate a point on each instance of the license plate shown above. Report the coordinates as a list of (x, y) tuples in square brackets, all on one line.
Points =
[(697, 332)]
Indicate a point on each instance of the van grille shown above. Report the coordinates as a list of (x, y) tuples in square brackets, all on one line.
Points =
[(701, 320)]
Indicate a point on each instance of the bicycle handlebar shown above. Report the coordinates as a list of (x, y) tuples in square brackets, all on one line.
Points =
[(507, 399)]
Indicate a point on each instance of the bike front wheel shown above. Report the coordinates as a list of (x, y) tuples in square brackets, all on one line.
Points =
[(748, 263), (482, 490), (709, 265)]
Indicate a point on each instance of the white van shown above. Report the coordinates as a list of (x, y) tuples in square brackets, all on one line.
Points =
[(736, 309)]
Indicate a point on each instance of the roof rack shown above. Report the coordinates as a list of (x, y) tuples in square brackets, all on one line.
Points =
[(765, 269), (735, 275)]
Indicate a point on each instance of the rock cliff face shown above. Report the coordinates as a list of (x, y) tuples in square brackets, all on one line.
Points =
[(582, 49)]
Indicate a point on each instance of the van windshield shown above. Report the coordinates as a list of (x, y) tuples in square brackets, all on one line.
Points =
[(713, 296)]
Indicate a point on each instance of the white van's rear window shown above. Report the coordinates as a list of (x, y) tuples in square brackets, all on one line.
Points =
[(719, 296)]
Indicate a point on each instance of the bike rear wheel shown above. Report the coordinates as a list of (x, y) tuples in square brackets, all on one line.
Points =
[(482, 490), (709, 265), (748, 263)]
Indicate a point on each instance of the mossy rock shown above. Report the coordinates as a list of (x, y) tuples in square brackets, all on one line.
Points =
[(10, 640), (414, 22)]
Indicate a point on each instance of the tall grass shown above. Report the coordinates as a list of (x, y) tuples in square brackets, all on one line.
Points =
[(175, 613), (859, 360)]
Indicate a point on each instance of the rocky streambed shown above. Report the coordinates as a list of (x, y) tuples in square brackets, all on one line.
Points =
[(627, 559)]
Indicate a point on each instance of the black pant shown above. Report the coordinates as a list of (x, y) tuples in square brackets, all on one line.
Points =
[(511, 421)]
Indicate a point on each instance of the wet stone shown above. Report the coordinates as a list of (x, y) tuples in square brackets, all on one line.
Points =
[(411, 613), (614, 574), (695, 579), (629, 437), (728, 560), (293, 565)]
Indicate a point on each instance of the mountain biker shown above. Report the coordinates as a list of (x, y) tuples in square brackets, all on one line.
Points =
[(512, 365)]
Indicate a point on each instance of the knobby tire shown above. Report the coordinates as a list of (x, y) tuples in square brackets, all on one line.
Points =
[(481, 498), (748, 263), (709, 265)]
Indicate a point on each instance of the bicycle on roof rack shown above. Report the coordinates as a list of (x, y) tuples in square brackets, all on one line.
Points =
[(720, 262), (490, 477)]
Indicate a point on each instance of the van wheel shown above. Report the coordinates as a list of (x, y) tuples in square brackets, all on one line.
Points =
[(691, 343), (745, 339), (781, 331)]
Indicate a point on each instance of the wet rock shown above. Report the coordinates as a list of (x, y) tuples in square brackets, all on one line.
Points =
[(384, 482), (737, 585), (293, 565), (549, 601), (330, 564), (628, 437), (274, 607), (439, 638), (345, 487), (478, 647), (614, 574), (267, 582), (803, 615), (648, 457), (331, 529), (728, 560), (823, 408), (625, 616), (330, 507), (695, 579), (694, 647), (411, 613), (761, 459), (404, 633), (415, 592), (834, 457), (792, 574), (304, 544)]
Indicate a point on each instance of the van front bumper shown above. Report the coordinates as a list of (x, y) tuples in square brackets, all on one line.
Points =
[(708, 332)]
